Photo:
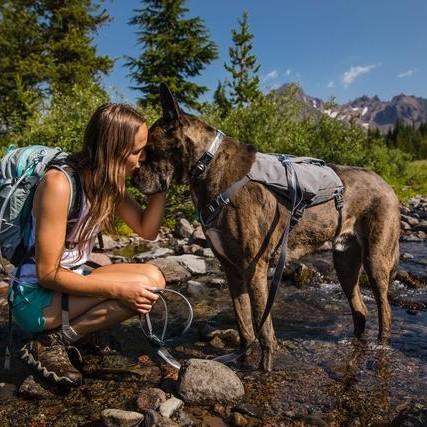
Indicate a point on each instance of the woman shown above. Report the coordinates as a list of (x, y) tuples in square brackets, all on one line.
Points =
[(113, 147)]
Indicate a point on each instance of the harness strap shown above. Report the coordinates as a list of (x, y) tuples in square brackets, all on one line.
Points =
[(214, 207)]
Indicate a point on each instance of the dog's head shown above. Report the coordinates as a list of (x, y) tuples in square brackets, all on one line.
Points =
[(175, 143)]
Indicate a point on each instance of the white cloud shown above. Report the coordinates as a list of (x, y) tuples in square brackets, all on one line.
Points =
[(408, 73), (330, 84), (272, 75), (354, 72), (288, 72)]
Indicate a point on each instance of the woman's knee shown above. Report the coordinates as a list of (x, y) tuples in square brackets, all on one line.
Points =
[(155, 274)]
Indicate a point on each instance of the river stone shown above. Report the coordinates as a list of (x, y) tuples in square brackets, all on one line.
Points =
[(409, 219), (183, 228), (172, 270), (170, 406), (193, 263), (405, 226), (207, 381), (33, 389), (195, 289), (150, 398), (422, 226), (199, 237), (239, 420), (154, 419), (156, 253), (120, 418)]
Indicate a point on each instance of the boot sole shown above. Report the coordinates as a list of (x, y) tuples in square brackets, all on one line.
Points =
[(28, 358)]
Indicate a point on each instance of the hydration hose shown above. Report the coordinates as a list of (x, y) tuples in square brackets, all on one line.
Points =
[(163, 340)]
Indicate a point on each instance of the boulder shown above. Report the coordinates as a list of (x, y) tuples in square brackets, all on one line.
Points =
[(120, 418), (173, 271), (207, 382)]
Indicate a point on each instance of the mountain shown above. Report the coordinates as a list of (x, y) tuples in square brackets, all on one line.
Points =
[(369, 112)]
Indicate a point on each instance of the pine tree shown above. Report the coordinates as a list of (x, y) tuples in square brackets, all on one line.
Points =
[(46, 48), (221, 100), (68, 28), (21, 62), (244, 86), (174, 49)]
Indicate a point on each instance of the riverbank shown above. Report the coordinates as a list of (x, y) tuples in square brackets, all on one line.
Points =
[(322, 376)]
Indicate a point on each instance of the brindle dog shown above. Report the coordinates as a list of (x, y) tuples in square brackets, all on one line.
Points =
[(249, 229)]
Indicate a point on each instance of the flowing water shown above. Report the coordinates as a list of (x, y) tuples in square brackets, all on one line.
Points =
[(322, 376)]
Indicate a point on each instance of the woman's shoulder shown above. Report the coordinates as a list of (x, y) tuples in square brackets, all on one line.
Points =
[(55, 184)]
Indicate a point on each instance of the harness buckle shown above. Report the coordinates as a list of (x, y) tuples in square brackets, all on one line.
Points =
[(339, 200), (218, 202)]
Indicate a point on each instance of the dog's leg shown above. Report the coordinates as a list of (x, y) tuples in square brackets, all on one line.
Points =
[(380, 260), (257, 286), (242, 308), (347, 257)]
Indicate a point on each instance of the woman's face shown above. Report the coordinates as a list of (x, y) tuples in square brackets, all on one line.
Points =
[(137, 155)]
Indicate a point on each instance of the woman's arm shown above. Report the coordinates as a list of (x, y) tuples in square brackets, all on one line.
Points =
[(146, 223), (51, 210)]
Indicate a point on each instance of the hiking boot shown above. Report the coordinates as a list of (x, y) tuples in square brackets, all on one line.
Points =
[(47, 354)]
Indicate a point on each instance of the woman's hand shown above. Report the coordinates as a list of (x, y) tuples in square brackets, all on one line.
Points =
[(138, 296)]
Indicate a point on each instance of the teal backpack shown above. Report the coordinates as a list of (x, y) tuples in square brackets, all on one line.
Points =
[(21, 169)]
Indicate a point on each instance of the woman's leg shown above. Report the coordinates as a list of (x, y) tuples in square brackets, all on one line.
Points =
[(47, 353), (89, 314)]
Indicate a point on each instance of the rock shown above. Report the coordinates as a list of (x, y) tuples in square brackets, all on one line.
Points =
[(118, 259), (412, 416), (409, 280), (195, 289), (100, 258), (153, 254), (422, 226), (154, 419), (206, 382), (217, 342), (33, 389), (239, 420), (118, 417), (193, 263), (409, 219), (183, 228), (199, 237), (228, 336), (405, 210), (406, 255), (196, 250), (170, 406), (405, 226), (150, 398), (217, 282), (172, 270), (420, 234), (185, 420), (3, 284), (207, 252), (211, 421), (7, 391)]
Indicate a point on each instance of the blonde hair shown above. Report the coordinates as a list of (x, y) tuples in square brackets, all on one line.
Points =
[(108, 141)]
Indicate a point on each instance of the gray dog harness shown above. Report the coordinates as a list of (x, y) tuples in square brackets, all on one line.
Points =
[(299, 182)]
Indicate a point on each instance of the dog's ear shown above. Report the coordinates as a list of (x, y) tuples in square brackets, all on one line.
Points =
[(171, 111)]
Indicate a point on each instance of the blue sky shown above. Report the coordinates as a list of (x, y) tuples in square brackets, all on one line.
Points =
[(333, 48)]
